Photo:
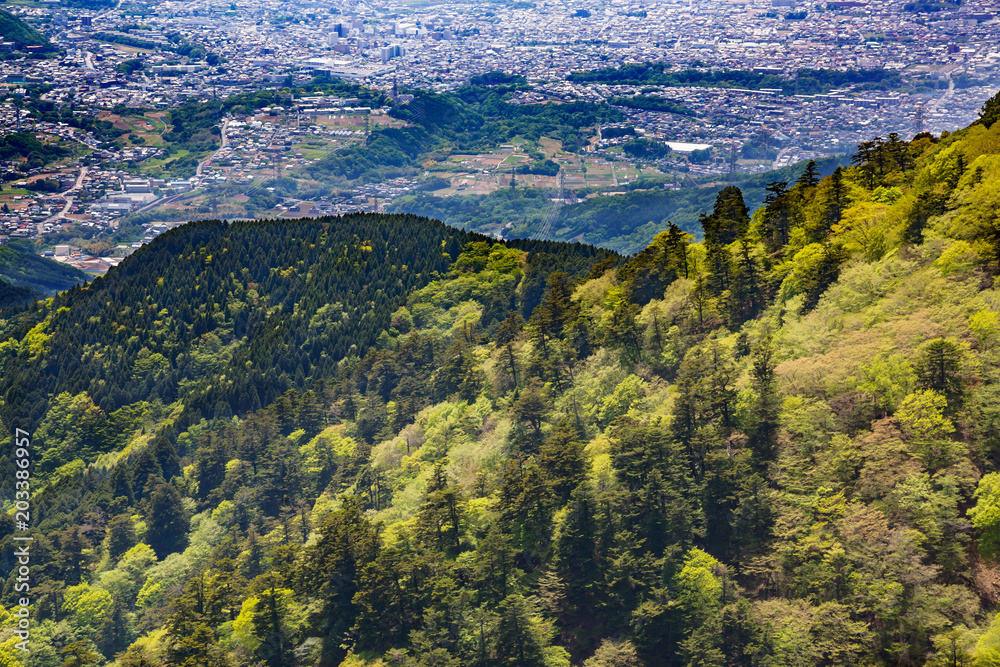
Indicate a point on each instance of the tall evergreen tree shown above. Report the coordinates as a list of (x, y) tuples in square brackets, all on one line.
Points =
[(121, 536), (166, 456), (269, 627), (821, 276), (576, 555), (730, 217), (506, 335), (766, 413), (746, 293), (779, 210), (120, 483), (836, 202), (939, 367), (167, 521), (557, 309), (518, 642), (440, 517), (809, 178), (562, 459), (146, 466)]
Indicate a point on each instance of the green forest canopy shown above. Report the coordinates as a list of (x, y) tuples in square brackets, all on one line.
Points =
[(776, 445)]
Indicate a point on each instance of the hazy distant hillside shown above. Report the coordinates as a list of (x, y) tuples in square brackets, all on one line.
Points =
[(13, 29), (375, 440), (625, 222), (23, 268), (11, 296)]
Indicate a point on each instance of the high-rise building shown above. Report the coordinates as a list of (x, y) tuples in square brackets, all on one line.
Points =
[(392, 51)]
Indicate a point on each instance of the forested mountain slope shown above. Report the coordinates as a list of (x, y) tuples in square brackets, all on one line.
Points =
[(26, 275), (13, 29), (777, 446), (228, 317)]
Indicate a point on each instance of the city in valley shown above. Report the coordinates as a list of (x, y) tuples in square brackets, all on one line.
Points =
[(121, 120)]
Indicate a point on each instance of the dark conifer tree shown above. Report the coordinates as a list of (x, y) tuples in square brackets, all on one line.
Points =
[(939, 367), (121, 536), (809, 178), (836, 201), (928, 205), (145, 466), (576, 554), (766, 415), (730, 217), (166, 456), (506, 335), (562, 459), (210, 464), (821, 276), (440, 517), (516, 645), (275, 649), (746, 294), (167, 522), (120, 483), (778, 216), (70, 557)]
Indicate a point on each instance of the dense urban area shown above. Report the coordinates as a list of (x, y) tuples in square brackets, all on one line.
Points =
[(119, 121)]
